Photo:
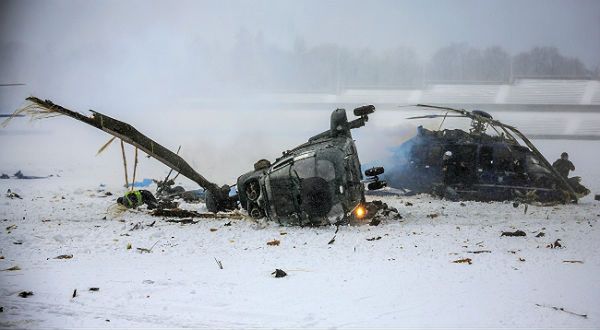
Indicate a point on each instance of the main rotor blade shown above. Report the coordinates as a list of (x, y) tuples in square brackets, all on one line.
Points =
[(461, 111), (436, 116), (132, 136)]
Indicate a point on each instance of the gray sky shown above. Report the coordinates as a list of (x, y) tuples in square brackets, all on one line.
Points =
[(116, 48), (571, 25)]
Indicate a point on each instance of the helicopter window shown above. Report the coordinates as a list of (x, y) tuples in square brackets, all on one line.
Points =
[(310, 167), (325, 169)]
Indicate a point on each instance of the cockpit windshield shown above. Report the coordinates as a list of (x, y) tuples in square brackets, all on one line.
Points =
[(307, 184), (311, 167)]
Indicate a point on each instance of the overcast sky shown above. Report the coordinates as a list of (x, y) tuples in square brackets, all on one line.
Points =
[(571, 25), (86, 46)]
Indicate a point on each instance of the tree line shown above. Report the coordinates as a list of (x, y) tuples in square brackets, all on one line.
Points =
[(330, 67)]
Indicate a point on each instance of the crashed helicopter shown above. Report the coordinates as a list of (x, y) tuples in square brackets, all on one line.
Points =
[(316, 183), (478, 164)]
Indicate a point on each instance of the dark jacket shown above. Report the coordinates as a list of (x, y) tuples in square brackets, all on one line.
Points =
[(563, 166)]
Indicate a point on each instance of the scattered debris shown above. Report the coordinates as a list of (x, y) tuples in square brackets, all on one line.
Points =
[(521, 259), (513, 233), (374, 238), (274, 242), (136, 226), (433, 215), (25, 294), (228, 224), (4, 176), (463, 204), (332, 240), (144, 250), (64, 256), (573, 261), (378, 211), (563, 310), (183, 221), (95, 289), (525, 209), (408, 204), (540, 234), (181, 213), (375, 222), (10, 228), (516, 204), (128, 246), (12, 195), (479, 251), (12, 269), (213, 229), (74, 293), (279, 273), (20, 175), (219, 263), (463, 261), (555, 245)]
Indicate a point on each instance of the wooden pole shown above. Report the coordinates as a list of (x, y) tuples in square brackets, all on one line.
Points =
[(135, 163), (124, 163)]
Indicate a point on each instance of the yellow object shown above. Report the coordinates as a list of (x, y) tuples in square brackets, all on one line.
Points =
[(360, 212)]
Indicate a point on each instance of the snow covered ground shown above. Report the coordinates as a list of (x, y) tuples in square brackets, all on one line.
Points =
[(398, 274)]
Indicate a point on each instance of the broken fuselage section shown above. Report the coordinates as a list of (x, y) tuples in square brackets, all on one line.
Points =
[(316, 183), (476, 164)]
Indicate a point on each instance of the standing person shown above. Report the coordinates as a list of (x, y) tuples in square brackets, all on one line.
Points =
[(564, 165)]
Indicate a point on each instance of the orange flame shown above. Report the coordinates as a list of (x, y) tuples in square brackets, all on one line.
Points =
[(360, 212)]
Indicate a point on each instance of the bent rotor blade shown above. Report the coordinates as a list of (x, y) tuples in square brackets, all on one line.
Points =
[(461, 111), (436, 116), (129, 134)]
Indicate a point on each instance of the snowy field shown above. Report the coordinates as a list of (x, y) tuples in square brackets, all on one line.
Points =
[(398, 274)]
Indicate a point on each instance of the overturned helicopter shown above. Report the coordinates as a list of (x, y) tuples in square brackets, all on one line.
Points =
[(316, 183), (478, 164)]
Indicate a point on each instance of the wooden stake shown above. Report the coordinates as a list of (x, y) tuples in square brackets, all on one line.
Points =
[(135, 162), (124, 163), (105, 145)]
